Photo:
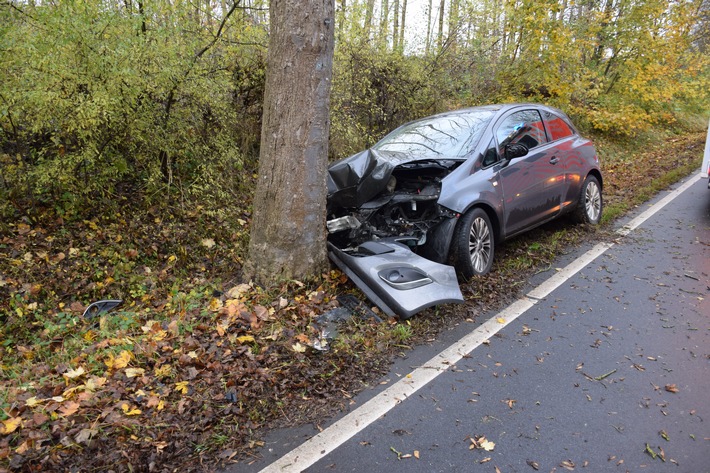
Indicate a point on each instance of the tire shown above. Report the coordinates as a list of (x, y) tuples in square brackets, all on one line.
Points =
[(473, 244), (590, 204)]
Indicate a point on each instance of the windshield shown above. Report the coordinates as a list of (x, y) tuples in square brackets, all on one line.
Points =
[(453, 135)]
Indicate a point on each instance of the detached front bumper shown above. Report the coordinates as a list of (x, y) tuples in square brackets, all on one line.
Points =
[(398, 281)]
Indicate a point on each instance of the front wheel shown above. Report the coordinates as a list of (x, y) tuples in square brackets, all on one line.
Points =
[(589, 207), (473, 244)]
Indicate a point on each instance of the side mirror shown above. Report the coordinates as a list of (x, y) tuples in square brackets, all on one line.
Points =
[(515, 150)]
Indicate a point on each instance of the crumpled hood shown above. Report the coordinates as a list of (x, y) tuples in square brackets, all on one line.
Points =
[(359, 178)]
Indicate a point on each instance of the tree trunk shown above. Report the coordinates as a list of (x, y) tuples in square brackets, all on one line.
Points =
[(395, 27), (401, 27), (288, 238), (440, 39), (368, 18), (428, 29)]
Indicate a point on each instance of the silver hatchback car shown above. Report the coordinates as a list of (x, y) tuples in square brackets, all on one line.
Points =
[(446, 189)]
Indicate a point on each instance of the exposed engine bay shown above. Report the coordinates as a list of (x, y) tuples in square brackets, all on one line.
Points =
[(401, 199)]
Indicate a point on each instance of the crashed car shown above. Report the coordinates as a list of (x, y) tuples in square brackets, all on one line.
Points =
[(435, 197)]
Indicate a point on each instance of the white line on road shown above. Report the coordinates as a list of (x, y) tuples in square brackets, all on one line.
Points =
[(341, 431)]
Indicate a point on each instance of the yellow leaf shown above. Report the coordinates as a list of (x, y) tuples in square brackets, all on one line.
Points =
[(298, 348), (71, 374), (245, 339), (128, 411), (133, 372), (172, 258), (487, 445), (10, 425), (121, 361), (161, 405), (215, 304), (94, 383), (163, 371), (182, 386), (33, 401), (500, 320)]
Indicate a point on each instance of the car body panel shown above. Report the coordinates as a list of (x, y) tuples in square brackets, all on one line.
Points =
[(400, 282)]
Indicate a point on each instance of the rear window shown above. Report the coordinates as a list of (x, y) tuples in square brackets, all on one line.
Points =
[(557, 127)]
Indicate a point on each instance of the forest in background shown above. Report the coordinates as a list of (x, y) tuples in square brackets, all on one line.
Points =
[(161, 100)]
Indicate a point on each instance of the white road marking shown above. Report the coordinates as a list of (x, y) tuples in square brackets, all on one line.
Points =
[(344, 429)]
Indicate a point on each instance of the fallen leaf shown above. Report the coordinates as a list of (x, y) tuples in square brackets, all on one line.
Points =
[(487, 445), (500, 320), (208, 243), (245, 339), (133, 372), (298, 348), (534, 465), (128, 411), (71, 374), (672, 388), (10, 425), (416, 454), (182, 386), (567, 465), (69, 408), (85, 435)]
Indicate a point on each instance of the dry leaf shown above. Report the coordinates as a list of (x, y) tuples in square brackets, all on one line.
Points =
[(534, 465), (71, 374), (500, 320), (567, 465), (298, 348), (182, 386), (69, 408), (133, 372), (672, 388), (85, 435), (416, 454), (245, 339), (128, 411), (10, 425)]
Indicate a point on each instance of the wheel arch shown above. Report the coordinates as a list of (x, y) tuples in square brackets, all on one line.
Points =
[(492, 216)]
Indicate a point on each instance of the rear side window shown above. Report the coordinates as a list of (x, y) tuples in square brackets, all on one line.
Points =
[(522, 127), (557, 127)]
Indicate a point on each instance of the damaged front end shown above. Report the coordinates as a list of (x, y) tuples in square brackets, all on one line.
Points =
[(388, 232)]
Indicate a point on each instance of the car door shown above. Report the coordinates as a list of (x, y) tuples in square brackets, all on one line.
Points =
[(532, 185), (569, 149)]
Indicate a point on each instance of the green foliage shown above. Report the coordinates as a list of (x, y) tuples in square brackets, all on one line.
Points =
[(103, 98)]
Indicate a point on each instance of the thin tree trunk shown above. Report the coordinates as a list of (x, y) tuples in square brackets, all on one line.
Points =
[(428, 29), (288, 237), (368, 18), (401, 28), (440, 38), (395, 30), (384, 23)]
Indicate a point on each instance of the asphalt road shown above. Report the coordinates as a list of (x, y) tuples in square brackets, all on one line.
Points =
[(608, 372)]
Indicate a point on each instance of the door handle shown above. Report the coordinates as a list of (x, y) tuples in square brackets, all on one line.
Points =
[(554, 160)]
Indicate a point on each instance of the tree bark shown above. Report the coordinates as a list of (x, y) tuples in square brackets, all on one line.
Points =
[(288, 238)]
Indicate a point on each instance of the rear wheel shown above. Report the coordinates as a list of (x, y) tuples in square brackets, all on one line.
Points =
[(589, 207), (474, 244)]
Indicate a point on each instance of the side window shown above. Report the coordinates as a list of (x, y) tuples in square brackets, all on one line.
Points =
[(557, 127), (522, 127), (491, 155)]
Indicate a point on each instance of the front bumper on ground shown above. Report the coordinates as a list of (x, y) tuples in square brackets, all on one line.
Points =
[(398, 281)]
